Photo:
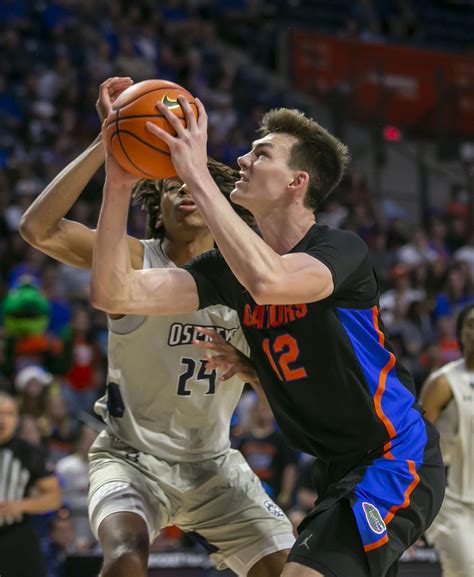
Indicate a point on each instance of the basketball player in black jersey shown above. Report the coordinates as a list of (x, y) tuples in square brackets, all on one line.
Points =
[(308, 303)]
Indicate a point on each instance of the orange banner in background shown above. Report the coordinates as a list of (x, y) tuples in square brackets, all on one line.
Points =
[(401, 85)]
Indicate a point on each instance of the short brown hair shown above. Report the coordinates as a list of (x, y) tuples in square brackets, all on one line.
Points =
[(317, 152)]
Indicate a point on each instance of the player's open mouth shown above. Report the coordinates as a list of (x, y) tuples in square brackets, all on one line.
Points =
[(187, 205), (243, 179)]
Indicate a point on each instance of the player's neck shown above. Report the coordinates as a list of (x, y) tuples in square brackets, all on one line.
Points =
[(181, 251), (469, 361), (283, 230)]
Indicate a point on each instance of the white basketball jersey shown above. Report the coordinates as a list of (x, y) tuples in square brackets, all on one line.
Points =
[(456, 425), (160, 398)]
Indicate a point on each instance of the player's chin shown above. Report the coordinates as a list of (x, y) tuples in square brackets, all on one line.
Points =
[(192, 219), (238, 196)]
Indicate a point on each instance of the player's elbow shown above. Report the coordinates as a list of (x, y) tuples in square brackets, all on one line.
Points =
[(102, 299), (28, 231), (263, 291)]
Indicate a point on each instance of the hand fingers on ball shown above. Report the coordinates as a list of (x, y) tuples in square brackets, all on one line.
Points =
[(119, 85), (202, 115), (191, 123), (157, 131), (172, 119)]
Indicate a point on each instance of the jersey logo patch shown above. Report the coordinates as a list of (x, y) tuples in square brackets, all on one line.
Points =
[(374, 518), (274, 509), (305, 541)]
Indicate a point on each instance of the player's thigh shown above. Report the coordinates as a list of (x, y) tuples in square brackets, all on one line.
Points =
[(239, 521), (270, 566), (330, 545), (117, 485), (451, 534)]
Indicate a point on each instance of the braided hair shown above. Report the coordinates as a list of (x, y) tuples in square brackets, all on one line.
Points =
[(148, 194)]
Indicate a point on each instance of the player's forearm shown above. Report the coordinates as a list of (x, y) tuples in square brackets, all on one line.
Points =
[(44, 215), (111, 263), (254, 263), (48, 501)]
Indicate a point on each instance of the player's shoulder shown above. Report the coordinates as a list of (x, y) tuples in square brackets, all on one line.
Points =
[(320, 234), (24, 451), (443, 372)]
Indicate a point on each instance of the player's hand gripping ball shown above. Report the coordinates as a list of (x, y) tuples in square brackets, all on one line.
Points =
[(135, 148)]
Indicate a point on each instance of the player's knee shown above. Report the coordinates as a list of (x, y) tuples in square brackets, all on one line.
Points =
[(270, 565), (123, 548)]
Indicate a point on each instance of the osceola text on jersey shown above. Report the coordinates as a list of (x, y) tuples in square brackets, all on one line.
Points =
[(185, 334)]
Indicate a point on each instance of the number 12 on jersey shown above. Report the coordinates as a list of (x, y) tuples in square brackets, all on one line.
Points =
[(281, 352)]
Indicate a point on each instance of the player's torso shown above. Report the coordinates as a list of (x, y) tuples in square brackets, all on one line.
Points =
[(160, 397), (457, 431), (323, 365)]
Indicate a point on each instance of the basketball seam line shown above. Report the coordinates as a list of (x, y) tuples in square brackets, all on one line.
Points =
[(128, 157), (142, 141), (140, 116)]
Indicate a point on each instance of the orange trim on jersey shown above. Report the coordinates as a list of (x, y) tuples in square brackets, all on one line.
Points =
[(416, 479), (377, 544), (381, 387), (375, 320)]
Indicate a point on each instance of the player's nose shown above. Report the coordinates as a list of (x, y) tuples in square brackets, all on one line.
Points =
[(244, 160)]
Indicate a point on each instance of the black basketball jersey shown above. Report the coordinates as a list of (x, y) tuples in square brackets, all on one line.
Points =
[(332, 380)]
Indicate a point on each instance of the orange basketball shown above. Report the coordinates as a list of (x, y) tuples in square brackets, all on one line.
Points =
[(136, 149)]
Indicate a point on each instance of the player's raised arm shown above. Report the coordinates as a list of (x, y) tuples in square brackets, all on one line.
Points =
[(270, 276), (43, 225), (116, 287)]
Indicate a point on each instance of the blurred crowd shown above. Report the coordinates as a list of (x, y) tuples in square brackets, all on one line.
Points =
[(53, 56)]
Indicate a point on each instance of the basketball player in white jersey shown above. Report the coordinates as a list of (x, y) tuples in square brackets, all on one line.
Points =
[(165, 457), (448, 399)]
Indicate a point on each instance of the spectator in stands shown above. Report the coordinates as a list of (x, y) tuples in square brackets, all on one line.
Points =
[(81, 388), (61, 542), (458, 291), (32, 385), (73, 472), (268, 455), (304, 493)]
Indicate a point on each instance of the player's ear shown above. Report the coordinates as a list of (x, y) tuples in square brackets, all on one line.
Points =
[(299, 181)]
